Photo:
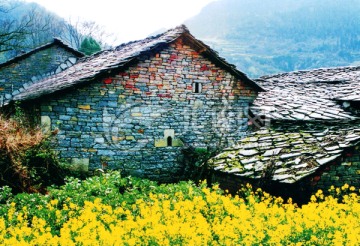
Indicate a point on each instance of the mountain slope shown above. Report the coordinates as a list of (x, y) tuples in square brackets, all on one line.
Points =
[(265, 36)]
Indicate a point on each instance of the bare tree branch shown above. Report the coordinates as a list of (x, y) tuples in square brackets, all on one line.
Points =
[(34, 28), (7, 5), (77, 31)]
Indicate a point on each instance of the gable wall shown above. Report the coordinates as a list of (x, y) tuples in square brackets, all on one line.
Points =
[(123, 122), (32, 68)]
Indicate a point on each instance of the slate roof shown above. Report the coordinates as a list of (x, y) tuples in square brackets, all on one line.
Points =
[(310, 125), (287, 156), (93, 66), (312, 95), (56, 41)]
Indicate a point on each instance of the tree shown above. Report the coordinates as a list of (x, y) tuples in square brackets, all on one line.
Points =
[(89, 46), (25, 26), (13, 32), (76, 32), (44, 28), (7, 5)]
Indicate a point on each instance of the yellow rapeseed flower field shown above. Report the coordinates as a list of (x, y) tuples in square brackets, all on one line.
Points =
[(196, 218)]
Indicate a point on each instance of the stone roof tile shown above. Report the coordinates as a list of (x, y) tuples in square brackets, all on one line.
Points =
[(312, 95), (302, 154)]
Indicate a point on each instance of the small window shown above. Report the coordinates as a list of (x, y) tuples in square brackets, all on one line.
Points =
[(196, 87), (169, 141)]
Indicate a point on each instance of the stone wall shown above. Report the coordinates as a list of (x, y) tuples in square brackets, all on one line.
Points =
[(346, 170), (24, 71), (140, 119)]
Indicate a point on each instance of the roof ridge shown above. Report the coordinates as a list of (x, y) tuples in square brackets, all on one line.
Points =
[(181, 28), (26, 54), (308, 70), (39, 48), (89, 68)]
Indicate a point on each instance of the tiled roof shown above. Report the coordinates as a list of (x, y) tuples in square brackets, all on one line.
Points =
[(312, 95), (300, 103), (56, 41), (312, 125), (336, 74), (285, 156), (89, 68)]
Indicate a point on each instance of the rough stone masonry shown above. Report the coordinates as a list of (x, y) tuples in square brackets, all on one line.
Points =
[(139, 119)]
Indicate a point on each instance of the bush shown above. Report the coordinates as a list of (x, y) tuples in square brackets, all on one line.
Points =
[(26, 160), (195, 162)]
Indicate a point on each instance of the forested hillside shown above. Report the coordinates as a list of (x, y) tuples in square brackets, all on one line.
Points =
[(24, 26), (258, 36), (266, 36)]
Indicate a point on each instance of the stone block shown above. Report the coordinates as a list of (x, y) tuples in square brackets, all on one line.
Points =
[(155, 115), (112, 104), (198, 104), (161, 143), (72, 60), (130, 138), (106, 152), (64, 117), (107, 119), (46, 123), (99, 140), (63, 66), (117, 139), (169, 133), (84, 107)]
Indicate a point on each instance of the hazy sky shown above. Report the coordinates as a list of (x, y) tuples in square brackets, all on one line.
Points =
[(129, 19)]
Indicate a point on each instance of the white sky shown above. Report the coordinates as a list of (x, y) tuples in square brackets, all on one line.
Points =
[(128, 19)]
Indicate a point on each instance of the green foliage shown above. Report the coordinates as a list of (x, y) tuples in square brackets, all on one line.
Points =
[(113, 189), (195, 162), (5, 194), (89, 46)]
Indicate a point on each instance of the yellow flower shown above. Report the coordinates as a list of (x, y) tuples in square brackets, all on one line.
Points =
[(345, 187)]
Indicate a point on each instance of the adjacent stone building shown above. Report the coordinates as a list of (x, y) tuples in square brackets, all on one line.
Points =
[(21, 71), (310, 139), (135, 107)]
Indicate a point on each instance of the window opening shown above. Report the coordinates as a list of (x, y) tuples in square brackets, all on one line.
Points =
[(169, 141), (197, 89)]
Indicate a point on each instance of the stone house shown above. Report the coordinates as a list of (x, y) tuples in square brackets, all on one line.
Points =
[(135, 107), (21, 71), (311, 136)]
